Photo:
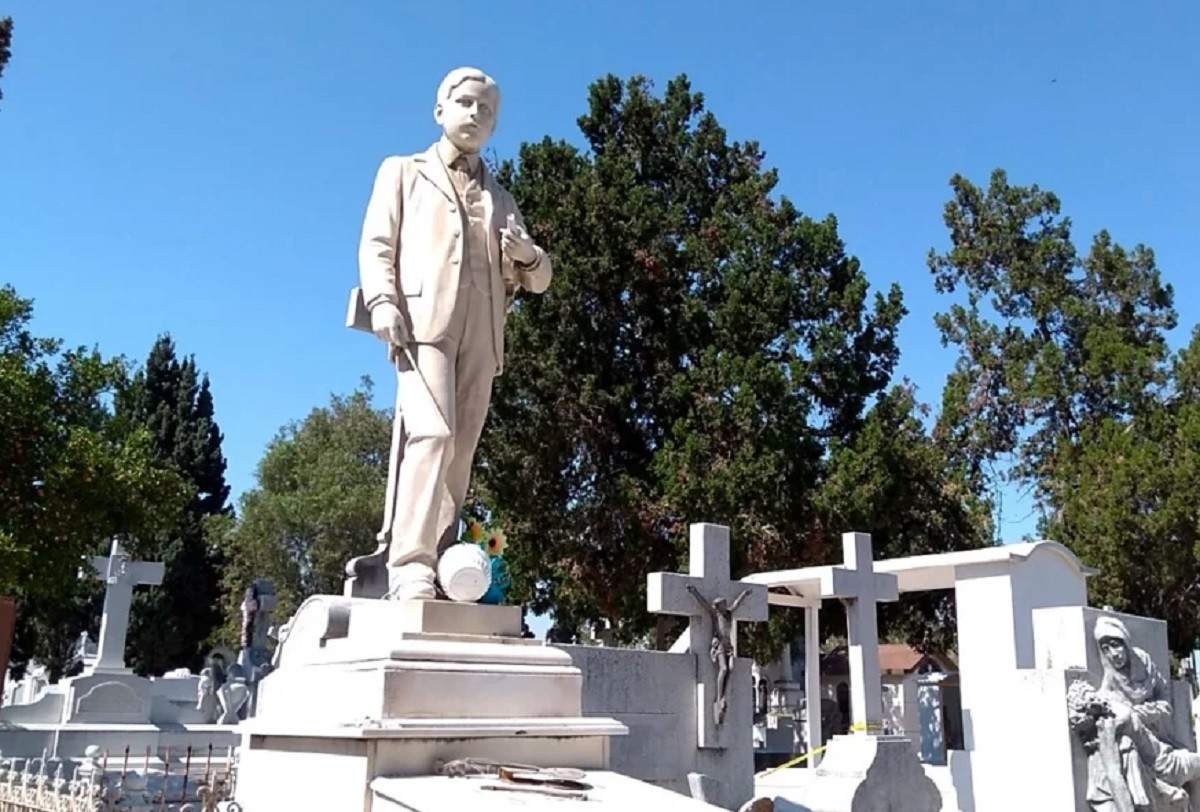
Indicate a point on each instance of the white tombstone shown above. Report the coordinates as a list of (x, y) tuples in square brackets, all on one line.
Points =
[(120, 576), (708, 574), (865, 770), (860, 588)]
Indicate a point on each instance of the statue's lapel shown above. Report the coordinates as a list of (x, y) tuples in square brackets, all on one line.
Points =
[(430, 165), (489, 212)]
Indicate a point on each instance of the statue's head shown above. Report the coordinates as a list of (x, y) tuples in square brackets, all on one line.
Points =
[(720, 604), (468, 101), (1113, 640)]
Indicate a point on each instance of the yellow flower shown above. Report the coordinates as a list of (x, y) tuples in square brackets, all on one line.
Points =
[(475, 531), (497, 543)]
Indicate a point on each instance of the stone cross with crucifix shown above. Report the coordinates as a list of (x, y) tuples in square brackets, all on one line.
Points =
[(861, 588), (120, 576), (714, 605)]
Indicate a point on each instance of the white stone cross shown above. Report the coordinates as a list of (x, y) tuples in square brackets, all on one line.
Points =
[(708, 574), (861, 588), (120, 575)]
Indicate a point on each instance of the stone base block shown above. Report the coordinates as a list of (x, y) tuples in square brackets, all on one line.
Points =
[(420, 679), (332, 768), (859, 773), (370, 689), (335, 629), (347, 660)]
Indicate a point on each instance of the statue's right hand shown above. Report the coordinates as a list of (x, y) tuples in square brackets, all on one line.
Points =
[(1123, 715), (388, 324)]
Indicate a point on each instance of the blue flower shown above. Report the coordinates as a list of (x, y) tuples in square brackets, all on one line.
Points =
[(500, 582)]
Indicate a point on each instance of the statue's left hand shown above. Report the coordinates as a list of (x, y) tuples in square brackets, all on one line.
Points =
[(516, 243)]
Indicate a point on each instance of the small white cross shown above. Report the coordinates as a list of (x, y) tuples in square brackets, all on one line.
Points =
[(708, 573)]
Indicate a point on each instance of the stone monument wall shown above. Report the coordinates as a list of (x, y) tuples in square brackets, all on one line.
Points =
[(648, 691)]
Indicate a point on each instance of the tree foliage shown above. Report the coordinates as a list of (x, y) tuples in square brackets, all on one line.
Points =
[(173, 402), (1065, 376), (893, 481), (318, 503), (1132, 512), (702, 347), (6, 28), (71, 476)]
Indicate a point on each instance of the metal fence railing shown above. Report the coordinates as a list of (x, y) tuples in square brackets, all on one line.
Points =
[(187, 781)]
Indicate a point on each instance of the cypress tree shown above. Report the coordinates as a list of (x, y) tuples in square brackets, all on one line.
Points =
[(170, 625)]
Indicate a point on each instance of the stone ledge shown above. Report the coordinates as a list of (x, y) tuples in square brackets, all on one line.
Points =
[(607, 790), (523, 728)]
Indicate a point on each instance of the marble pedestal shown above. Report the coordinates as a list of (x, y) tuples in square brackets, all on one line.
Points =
[(859, 773), (369, 689)]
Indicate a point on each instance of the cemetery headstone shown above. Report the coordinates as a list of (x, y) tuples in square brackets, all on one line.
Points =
[(120, 576), (713, 604), (865, 770), (1122, 714), (860, 588)]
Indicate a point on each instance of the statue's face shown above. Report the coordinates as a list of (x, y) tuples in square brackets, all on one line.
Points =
[(1115, 652), (468, 117)]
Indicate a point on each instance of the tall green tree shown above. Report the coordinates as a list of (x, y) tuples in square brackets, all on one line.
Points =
[(6, 28), (318, 503), (71, 476), (1065, 378), (702, 344), (893, 481), (173, 402), (1132, 511)]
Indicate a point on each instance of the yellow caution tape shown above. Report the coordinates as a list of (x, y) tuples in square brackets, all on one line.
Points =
[(857, 727), (792, 763)]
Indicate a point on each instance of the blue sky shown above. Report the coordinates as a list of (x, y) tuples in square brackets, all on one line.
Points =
[(201, 168)]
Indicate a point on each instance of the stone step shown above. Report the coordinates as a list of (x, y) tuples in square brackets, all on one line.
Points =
[(332, 628), (409, 686)]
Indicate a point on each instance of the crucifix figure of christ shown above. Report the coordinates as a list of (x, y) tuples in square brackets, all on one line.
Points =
[(721, 652), (713, 605)]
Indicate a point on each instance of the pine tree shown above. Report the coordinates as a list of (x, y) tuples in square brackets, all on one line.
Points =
[(1065, 379), (170, 625)]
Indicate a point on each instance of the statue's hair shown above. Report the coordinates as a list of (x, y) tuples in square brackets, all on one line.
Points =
[(459, 75)]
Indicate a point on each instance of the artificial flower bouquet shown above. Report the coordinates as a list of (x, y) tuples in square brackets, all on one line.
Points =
[(494, 543)]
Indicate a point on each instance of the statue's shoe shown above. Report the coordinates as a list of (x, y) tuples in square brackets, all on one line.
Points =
[(411, 582)]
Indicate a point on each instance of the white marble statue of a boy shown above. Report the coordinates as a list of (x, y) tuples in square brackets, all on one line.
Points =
[(443, 248)]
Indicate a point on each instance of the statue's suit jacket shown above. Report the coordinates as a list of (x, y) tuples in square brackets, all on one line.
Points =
[(412, 248)]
